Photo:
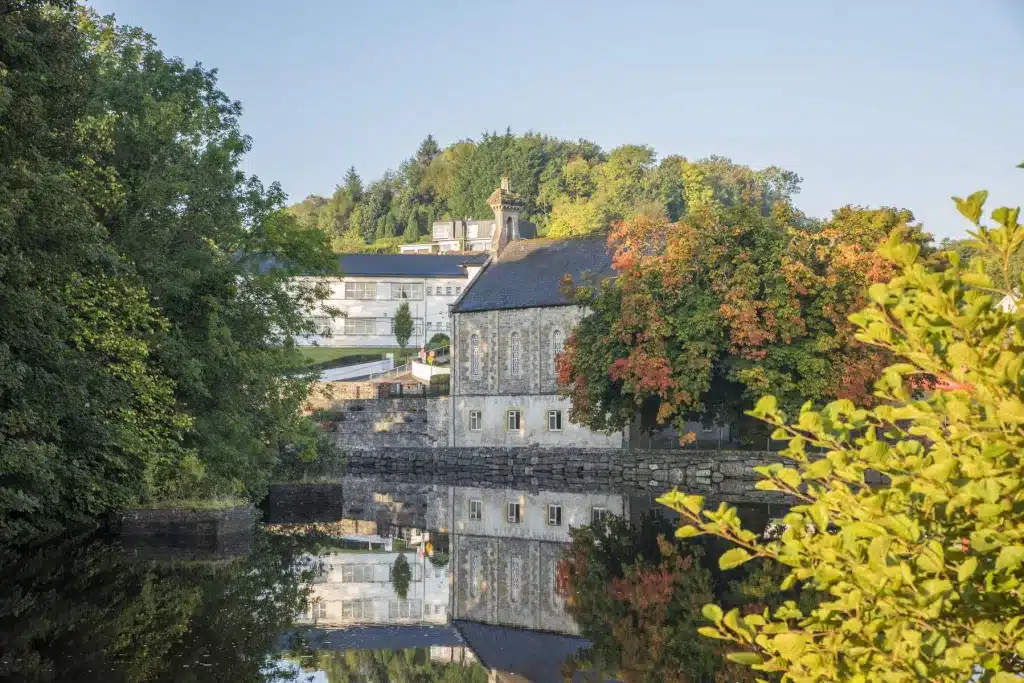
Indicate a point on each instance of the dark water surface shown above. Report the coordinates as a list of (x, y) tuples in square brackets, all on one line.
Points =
[(302, 603)]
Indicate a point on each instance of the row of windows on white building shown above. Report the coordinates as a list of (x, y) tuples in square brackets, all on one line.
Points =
[(397, 290), (515, 352), (372, 326), (514, 511), (363, 608), (514, 420)]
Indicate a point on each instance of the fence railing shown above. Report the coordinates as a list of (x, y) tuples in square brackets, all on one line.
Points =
[(392, 373)]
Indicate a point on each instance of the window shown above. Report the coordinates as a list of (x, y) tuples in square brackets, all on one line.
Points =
[(475, 421), (448, 290), (597, 514), (554, 515), (515, 420), (357, 609), (474, 356), (319, 609), (515, 355), (417, 571), (360, 290), (429, 288), (514, 513), (403, 609), (557, 344), (458, 290), (429, 324), (474, 575), (322, 323), (360, 326), (406, 290), (476, 510), (554, 420), (357, 573)]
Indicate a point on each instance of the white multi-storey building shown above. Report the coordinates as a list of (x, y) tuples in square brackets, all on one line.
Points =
[(357, 589), (371, 287)]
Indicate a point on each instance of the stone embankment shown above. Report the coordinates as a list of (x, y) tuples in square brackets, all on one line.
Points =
[(720, 475)]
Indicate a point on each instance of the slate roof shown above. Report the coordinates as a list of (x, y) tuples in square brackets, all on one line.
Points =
[(529, 274), (536, 656), (408, 265), (392, 637)]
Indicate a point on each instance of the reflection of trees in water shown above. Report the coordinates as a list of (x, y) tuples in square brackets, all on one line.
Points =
[(637, 596), (83, 610), (392, 666)]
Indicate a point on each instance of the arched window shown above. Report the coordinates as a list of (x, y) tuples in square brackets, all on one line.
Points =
[(474, 355), (508, 227), (557, 344), (516, 355)]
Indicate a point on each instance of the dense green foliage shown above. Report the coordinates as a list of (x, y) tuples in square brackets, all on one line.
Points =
[(923, 573), (146, 351), (569, 188), (740, 296), (401, 575), (85, 610), (402, 325), (387, 666)]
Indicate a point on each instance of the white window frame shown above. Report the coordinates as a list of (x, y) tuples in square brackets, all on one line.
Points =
[(554, 514), (322, 323), (475, 420), (356, 327), (448, 290), (430, 290), (518, 415), (361, 290), (557, 415), (476, 510), (514, 512), (407, 291), (597, 513)]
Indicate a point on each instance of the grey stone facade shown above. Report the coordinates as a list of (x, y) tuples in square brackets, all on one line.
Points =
[(719, 475), (508, 582), (392, 423)]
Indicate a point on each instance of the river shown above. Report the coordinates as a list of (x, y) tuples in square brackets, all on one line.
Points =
[(495, 592)]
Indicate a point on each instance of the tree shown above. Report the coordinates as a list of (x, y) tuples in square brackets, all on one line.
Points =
[(710, 312), (401, 575), (923, 573), (412, 228), (353, 184), (403, 325)]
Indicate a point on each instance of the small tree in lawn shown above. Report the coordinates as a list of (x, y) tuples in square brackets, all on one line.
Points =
[(403, 326), (401, 575), (922, 577)]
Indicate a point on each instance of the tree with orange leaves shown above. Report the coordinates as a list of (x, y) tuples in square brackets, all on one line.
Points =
[(710, 312)]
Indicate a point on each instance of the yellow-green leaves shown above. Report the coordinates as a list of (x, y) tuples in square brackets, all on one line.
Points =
[(971, 207), (733, 558), (912, 522)]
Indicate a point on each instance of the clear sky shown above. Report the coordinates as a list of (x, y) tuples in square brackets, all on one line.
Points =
[(873, 102)]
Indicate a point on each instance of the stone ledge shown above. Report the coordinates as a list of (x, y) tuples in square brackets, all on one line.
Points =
[(177, 522)]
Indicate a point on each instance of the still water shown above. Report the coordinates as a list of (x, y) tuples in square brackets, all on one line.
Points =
[(313, 595)]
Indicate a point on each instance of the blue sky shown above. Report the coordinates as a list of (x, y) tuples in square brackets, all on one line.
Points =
[(874, 102)]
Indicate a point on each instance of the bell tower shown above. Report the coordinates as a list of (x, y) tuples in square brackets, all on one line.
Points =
[(506, 205)]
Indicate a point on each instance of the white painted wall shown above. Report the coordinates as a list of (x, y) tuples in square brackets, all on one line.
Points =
[(357, 370), (431, 591), (430, 313), (534, 432), (425, 372), (576, 511)]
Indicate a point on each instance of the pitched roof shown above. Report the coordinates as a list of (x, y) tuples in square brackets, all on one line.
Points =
[(529, 274), (534, 655), (408, 265)]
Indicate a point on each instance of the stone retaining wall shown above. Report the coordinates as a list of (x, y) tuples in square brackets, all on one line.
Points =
[(392, 423), (719, 475)]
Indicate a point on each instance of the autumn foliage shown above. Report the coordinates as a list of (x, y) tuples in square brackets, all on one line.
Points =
[(708, 313)]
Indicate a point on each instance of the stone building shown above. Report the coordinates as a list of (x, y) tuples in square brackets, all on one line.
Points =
[(508, 326)]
